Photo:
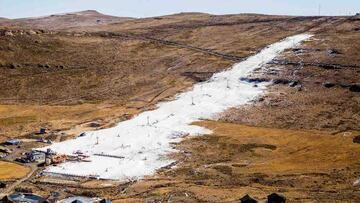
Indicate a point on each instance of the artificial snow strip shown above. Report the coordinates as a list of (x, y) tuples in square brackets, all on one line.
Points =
[(139, 146)]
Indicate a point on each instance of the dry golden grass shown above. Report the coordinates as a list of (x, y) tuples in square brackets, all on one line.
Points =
[(10, 171), (20, 120), (63, 21), (296, 151), (62, 68), (238, 160), (16, 120)]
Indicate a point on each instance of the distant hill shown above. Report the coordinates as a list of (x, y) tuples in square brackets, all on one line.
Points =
[(64, 21)]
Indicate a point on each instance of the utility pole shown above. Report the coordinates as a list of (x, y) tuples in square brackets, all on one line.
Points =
[(319, 10)]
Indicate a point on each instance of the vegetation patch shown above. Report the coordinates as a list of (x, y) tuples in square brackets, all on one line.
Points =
[(10, 171), (16, 120)]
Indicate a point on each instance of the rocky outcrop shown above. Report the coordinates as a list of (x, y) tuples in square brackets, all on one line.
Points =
[(198, 76), (254, 80), (13, 32), (278, 81), (329, 85), (304, 50), (333, 52), (28, 65), (331, 66), (247, 199), (8, 33), (356, 139), (354, 88), (275, 198)]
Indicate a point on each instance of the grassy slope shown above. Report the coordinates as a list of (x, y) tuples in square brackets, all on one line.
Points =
[(58, 69), (120, 67), (238, 160), (11, 171), (64, 21), (315, 107), (131, 72)]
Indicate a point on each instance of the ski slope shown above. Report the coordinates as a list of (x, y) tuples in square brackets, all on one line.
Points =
[(145, 141)]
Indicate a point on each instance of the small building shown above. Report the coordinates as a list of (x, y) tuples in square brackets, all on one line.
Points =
[(50, 152), (42, 131), (13, 142), (79, 199), (36, 156), (49, 157), (23, 197)]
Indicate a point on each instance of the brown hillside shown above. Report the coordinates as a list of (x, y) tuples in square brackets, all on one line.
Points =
[(65, 21), (124, 59), (71, 76), (139, 62)]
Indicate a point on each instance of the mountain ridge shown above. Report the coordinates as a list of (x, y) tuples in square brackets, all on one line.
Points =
[(63, 20)]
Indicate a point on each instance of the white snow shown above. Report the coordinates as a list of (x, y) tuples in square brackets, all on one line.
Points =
[(145, 140), (356, 182)]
